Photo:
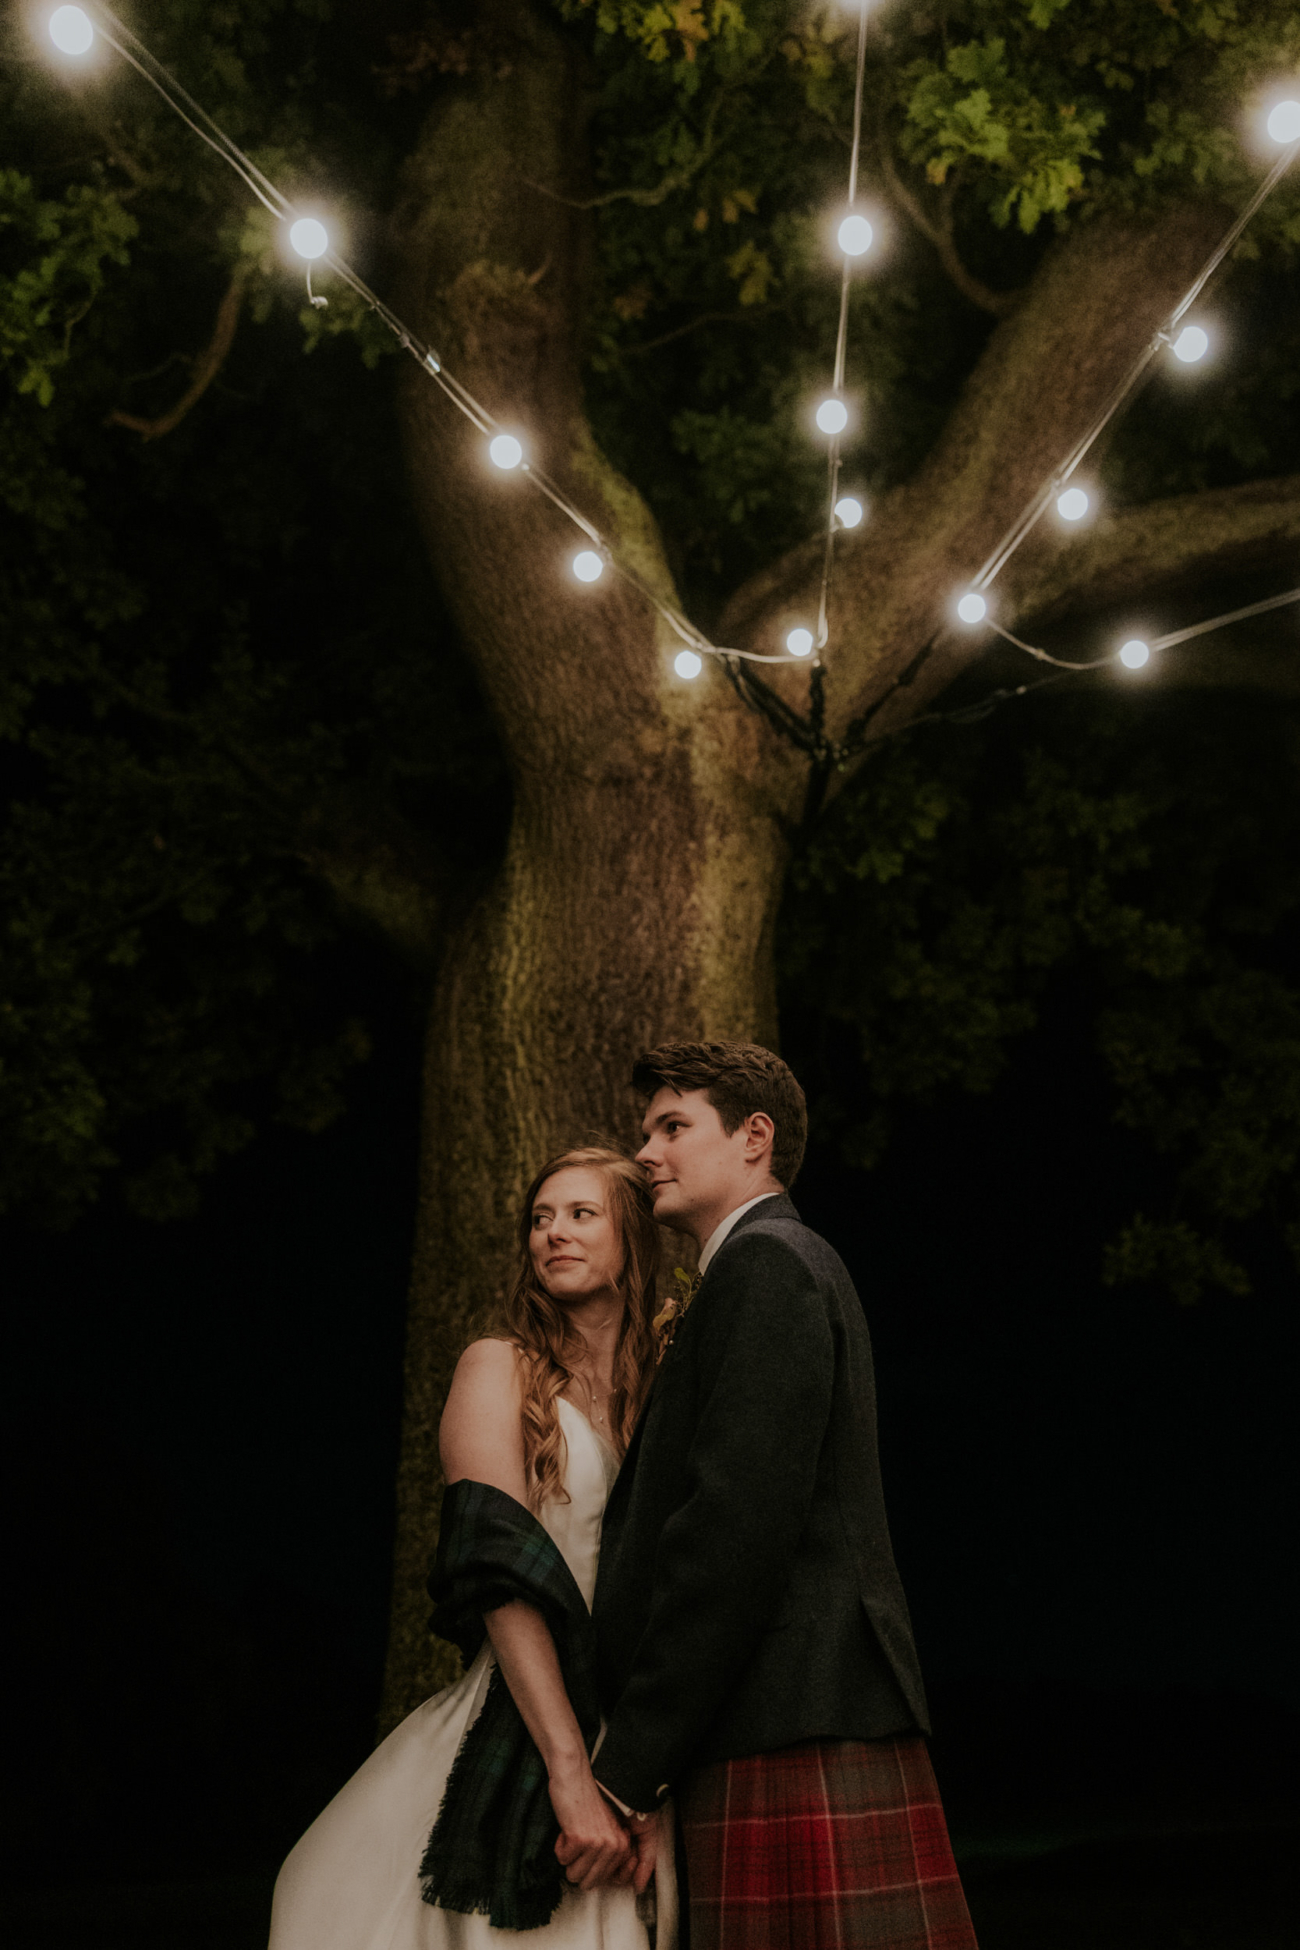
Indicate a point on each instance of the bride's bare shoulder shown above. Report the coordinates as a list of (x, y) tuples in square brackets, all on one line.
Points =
[(481, 1434), (494, 1358)]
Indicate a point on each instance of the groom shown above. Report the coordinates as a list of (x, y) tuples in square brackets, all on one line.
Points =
[(755, 1648)]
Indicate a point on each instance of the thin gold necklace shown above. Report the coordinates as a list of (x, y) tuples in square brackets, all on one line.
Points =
[(595, 1414)]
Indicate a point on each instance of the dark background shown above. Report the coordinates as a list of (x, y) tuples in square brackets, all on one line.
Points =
[(1092, 1495)]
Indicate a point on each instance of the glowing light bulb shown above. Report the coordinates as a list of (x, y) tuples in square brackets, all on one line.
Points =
[(832, 416), (687, 664), (1283, 122), (972, 608), (71, 31), (505, 451), (1072, 505), (1191, 344), (849, 511), (588, 566), (799, 643), (1134, 653), (855, 235), (309, 238)]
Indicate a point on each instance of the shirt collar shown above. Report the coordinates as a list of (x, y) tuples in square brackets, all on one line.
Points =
[(719, 1233)]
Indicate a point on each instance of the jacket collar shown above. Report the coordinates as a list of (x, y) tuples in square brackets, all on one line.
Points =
[(778, 1205)]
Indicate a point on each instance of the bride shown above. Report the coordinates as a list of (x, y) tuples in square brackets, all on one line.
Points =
[(455, 1830)]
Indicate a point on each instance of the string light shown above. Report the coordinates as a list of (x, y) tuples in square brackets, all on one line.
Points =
[(1191, 344), (974, 713), (137, 55), (588, 566), (309, 238), (71, 30), (505, 451), (1073, 505), (1034, 508), (1283, 122), (855, 236), (1135, 652)]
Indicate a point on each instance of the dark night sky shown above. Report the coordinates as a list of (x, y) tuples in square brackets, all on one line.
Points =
[(1092, 1491)]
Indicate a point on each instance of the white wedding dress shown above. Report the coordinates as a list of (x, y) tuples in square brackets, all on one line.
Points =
[(352, 1882)]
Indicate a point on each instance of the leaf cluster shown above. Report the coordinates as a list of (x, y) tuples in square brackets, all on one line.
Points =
[(1145, 853), (226, 687), (720, 155)]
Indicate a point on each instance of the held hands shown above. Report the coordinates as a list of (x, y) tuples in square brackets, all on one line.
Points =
[(594, 1846), (644, 1831)]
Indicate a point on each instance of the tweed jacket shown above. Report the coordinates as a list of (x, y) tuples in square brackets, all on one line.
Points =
[(747, 1596)]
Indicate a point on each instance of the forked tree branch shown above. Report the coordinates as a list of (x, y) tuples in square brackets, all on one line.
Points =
[(940, 234), (1137, 552), (206, 366)]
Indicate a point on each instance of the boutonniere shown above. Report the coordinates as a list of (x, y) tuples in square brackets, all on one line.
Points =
[(673, 1311)]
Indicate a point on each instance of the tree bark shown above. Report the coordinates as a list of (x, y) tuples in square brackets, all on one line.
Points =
[(638, 895), (652, 819)]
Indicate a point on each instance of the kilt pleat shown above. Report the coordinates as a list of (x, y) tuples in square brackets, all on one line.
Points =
[(830, 1845)]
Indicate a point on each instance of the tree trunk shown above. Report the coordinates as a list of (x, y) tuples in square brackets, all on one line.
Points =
[(610, 926)]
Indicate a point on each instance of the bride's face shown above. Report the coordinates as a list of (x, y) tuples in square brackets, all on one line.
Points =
[(576, 1249)]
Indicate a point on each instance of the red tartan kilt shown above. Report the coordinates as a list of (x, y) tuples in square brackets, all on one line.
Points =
[(830, 1845)]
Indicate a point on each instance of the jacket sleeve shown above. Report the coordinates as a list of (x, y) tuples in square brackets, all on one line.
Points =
[(765, 1365)]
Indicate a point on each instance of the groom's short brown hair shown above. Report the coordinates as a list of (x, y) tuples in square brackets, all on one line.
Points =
[(737, 1079)]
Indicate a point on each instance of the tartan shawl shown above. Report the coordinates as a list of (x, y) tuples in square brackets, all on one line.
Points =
[(492, 1849)]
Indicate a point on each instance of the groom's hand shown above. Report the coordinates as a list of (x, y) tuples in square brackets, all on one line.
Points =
[(644, 1830), (594, 1847)]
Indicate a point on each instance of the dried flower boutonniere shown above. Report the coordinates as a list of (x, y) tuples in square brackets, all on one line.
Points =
[(673, 1311)]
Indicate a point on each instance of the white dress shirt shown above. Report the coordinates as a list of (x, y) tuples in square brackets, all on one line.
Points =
[(719, 1233)]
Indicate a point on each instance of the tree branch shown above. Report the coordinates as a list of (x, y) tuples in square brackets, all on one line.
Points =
[(1000, 303), (676, 179), (746, 316), (206, 366), (1142, 551), (1092, 303), (391, 887)]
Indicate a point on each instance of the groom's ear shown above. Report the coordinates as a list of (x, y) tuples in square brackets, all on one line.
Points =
[(760, 1134)]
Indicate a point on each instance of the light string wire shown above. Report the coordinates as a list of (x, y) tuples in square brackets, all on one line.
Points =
[(841, 341), (1158, 642), (133, 50), (1035, 508), (120, 37), (981, 708)]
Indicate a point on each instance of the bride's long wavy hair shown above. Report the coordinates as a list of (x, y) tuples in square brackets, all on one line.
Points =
[(540, 1327)]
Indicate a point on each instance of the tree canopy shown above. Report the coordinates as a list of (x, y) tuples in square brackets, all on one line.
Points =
[(238, 717)]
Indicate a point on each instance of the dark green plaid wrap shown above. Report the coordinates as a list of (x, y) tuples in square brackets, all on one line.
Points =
[(492, 1849)]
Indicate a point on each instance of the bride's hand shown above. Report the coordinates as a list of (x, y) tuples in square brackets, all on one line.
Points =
[(593, 1845)]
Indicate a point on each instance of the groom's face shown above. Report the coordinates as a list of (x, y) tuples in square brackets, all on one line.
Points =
[(693, 1167)]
